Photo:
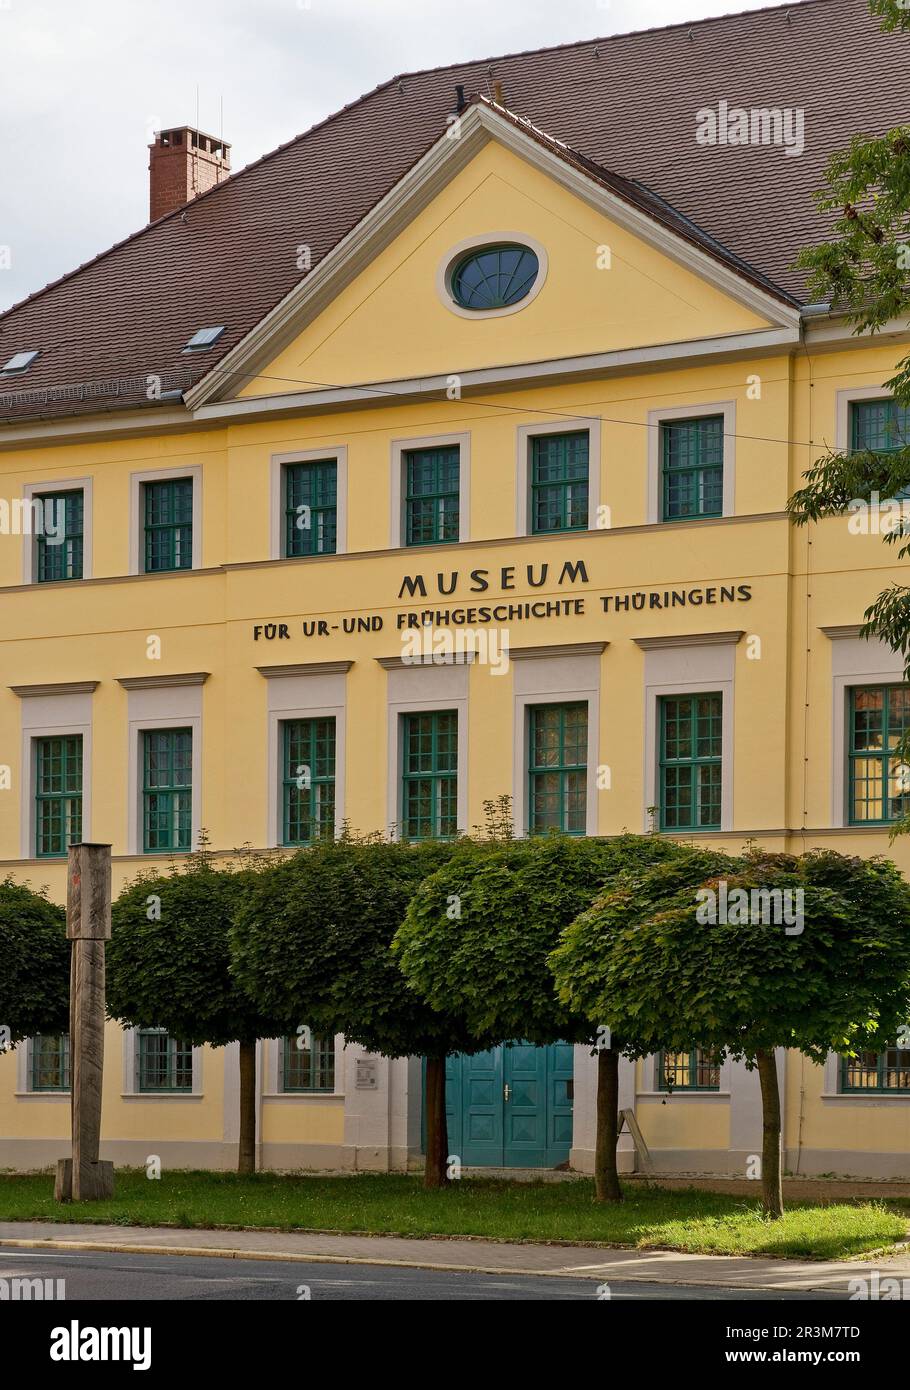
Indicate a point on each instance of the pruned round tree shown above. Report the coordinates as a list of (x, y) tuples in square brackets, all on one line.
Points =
[(478, 934), (169, 966), (743, 956), (312, 944), (34, 965)]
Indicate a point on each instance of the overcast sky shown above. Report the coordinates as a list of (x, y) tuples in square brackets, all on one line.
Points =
[(84, 83)]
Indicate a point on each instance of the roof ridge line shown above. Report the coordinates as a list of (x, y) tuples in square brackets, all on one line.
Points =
[(609, 38)]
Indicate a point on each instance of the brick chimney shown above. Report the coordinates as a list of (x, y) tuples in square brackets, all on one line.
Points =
[(182, 164)]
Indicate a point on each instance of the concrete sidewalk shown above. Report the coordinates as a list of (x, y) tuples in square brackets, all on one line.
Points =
[(480, 1256)]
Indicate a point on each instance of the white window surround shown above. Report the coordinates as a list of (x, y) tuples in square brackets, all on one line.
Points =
[(831, 1088), (543, 677), (420, 690), (273, 1068), (669, 414), (524, 435), (476, 243), (700, 664), (854, 661), (165, 706), (83, 485), (844, 399), (336, 453), (304, 692), (399, 448), (130, 1080), (651, 1076), (53, 716), (137, 513)]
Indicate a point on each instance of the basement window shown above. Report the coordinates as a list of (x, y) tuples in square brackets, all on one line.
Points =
[(205, 338), (19, 362)]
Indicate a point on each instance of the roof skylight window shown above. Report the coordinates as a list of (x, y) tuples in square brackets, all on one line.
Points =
[(204, 339), (19, 362)]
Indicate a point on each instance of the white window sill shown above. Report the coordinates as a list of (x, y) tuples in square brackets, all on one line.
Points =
[(303, 1095), (683, 1095), (851, 1097), (161, 1095)]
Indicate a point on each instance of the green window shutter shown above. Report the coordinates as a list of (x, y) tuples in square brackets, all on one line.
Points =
[(308, 1068), (697, 1070), (163, 1063), (558, 768), (559, 482), (692, 467), (887, 1071), (167, 790), (58, 795), (50, 1062), (429, 775), (311, 508), (168, 525), (432, 498), (691, 743), (879, 782), (59, 555), (308, 781)]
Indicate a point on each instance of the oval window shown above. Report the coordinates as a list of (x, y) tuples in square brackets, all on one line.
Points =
[(494, 277)]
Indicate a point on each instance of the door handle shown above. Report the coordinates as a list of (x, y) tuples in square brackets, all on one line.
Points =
[(506, 1091)]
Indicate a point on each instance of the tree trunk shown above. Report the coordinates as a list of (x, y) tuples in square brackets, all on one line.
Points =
[(434, 1173), (246, 1158), (772, 1190), (606, 1177)]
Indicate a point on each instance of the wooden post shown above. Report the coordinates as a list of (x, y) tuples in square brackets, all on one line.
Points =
[(85, 1177)]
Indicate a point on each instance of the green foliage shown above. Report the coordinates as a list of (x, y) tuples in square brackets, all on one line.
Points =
[(174, 973), (836, 480), (312, 945), (642, 961), (34, 963), (893, 14), (478, 932)]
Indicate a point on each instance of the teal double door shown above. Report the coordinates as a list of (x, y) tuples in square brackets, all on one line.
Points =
[(511, 1107)]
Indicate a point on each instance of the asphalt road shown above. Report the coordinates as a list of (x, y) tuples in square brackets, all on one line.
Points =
[(98, 1275)]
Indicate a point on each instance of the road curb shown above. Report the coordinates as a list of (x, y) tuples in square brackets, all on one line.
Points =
[(289, 1257)]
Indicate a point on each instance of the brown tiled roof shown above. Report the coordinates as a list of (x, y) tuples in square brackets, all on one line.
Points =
[(625, 104)]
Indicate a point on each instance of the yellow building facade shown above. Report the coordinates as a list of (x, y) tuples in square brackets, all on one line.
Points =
[(586, 490)]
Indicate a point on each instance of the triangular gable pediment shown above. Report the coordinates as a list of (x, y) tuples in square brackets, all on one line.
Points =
[(619, 277)]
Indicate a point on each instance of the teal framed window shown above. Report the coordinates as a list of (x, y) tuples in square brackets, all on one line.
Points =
[(880, 426), (308, 781), (59, 555), (432, 481), (692, 467), (697, 1070), (494, 277), (429, 775), (878, 781), (58, 795), (309, 1068), (49, 1068), (163, 1063), (691, 764), (886, 1071), (558, 768), (311, 508), (168, 525), (559, 482), (167, 790)]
